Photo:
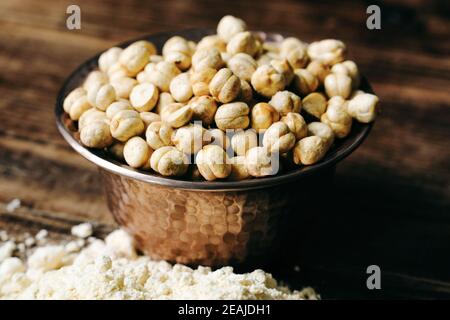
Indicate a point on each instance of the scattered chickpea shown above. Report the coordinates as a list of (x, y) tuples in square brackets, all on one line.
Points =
[(323, 131), (296, 124), (136, 55), (108, 58), (177, 114), (213, 163), (92, 115), (177, 50), (94, 78), (169, 161), (225, 86), (101, 96), (96, 134), (285, 102), (243, 42), (123, 86), (158, 134), (314, 104), (161, 74), (207, 58), (338, 85), (204, 108), (278, 138), (263, 116), (350, 69), (244, 140), (283, 67), (117, 106), (267, 81), (363, 107), (126, 124), (144, 97), (200, 81), (181, 88), (337, 117), (137, 153), (290, 43), (319, 70), (76, 103), (232, 116)]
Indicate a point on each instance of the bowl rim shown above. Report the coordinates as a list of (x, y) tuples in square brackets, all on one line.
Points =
[(99, 158)]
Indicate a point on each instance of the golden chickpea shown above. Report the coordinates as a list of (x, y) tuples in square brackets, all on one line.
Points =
[(363, 107), (212, 41), (244, 42), (278, 138), (169, 161), (309, 150), (181, 88), (204, 108), (95, 77), (144, 97), (290, 43), (328, 51), (263, 116), (76, 103), (260, 163), (246, 92), (213, 163), (101, 96), (92, 115), (161, 74), (165, 99), (323, 131), (229, 26), (285, 102), (158, 134), (314, 104), (178, 51), (244, 140), (117, 106), (200, 81), (337, 117), (242, 65), (191, 138), (238, 169), (296, 124), (232, 116), (109, 58), (297, 58), (207, 58), (123, 86), (137, 153), (267, 81), (136, 55), (305, 82), (149, 118), (225, 86), (283, 67), (219, 138), (126, 124), (177, 114), (350, 69), (338, 85), (319, 70), (96, 134)]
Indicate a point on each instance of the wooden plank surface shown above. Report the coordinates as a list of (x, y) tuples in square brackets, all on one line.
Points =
[(391, 204)]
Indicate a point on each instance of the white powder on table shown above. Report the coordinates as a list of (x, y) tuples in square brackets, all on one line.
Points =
[(111, 269)]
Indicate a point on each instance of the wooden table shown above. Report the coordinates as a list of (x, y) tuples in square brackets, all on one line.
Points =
[(391, 197)]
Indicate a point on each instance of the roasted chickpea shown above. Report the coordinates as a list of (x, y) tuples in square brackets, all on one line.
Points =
[(285, 102), (149, 118), (181, 88), (314, 104), (76, 103), (260, 163), (267, 81), (263, 116), (92, 115), (337, 117), (305, 82), (158, 134), (191, 138), (204, 108), (296, 124), (212, 41), (363, 107), (242, 65), (136, 55), (161, 74), (323, 131), (144, 97), (328, 51), (177, 114), (207, 58), (96, 134), (225, 86), (169, 161), (309, 150), (338, 85), (278, 138), (126, 124), (319, 70), (200, 81), (283, 67), (290, 43), (229, 26), (350, 69), (137, 153), (242, 141), (165, 99), (123, 86), (219, 138), (117, 106), (94, 78), (101, 96), (213, 163), (109, 58), (177, 50), (232, 116)]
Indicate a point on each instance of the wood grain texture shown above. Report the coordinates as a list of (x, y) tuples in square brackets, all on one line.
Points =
[(391, 200)]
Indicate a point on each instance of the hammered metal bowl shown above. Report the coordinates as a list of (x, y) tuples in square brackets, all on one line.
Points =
[(243, 223)]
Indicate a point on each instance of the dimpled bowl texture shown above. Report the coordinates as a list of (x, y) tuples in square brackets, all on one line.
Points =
[(241, 223)]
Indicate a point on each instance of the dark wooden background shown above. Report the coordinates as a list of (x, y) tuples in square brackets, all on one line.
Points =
[(391, 197)]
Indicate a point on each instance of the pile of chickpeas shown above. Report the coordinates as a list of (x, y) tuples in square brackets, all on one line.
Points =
[(223, 108)]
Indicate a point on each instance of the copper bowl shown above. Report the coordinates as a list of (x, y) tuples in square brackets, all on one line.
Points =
[(243, 223)]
